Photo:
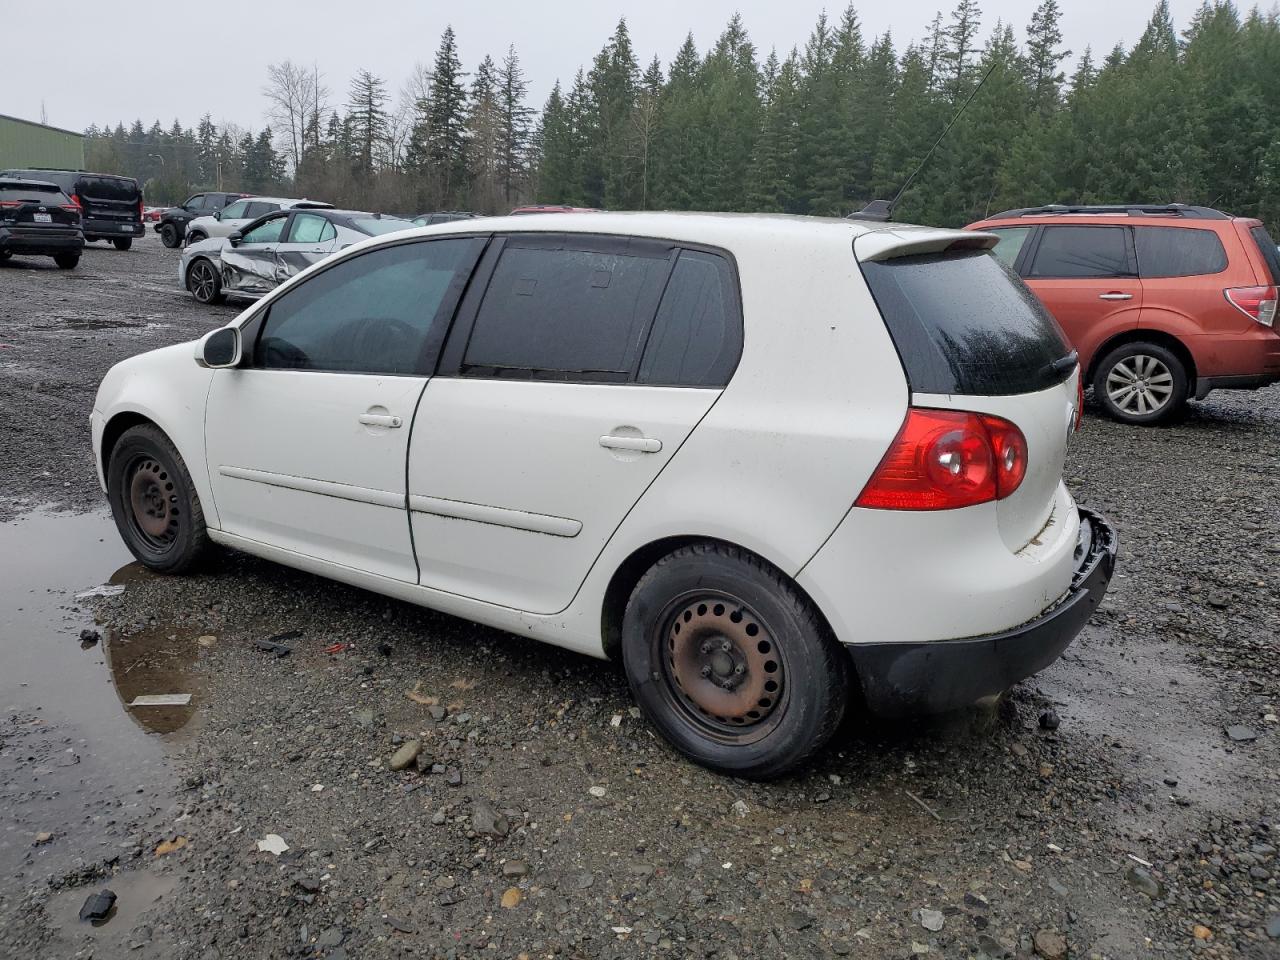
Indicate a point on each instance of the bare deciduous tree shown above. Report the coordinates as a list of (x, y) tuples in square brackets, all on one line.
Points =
[(296, 97)]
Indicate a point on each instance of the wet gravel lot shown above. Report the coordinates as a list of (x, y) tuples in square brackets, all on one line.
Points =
[(541, 817)]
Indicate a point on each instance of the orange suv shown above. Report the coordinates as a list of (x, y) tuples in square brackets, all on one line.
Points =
[(1163, 303)]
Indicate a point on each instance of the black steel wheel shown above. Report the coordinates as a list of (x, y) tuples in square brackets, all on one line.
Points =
[(203, 282), (732, 663), (169, 235), (154, 503)]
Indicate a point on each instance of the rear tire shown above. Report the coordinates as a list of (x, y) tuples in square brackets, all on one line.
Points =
[(732, 664), (66, 261), (1141, 383), (122, 243), (204, 283), (169, 235), (154, 502)]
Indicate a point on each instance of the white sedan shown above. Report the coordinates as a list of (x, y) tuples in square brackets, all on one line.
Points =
[(240, 213), (770, 463)]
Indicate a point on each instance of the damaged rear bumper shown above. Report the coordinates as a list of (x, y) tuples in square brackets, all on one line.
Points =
[(905, 678)]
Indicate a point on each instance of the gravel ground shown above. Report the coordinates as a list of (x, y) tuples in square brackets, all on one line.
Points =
[(540, 817)]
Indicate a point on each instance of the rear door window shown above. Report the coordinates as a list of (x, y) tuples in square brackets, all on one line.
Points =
[(308, 228), (1082, 252), (1267, 247), (1011, 242), (1178, 252), (696, 338), (963, 323), (572, 309), (259, 208), (380, 312)]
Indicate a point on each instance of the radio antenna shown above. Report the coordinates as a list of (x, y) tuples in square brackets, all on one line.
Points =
[(882, 210)]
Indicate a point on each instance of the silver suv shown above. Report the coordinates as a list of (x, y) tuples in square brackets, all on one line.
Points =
[(238, 215)]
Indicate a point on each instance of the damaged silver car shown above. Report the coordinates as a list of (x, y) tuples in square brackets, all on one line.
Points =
[(272, 249)]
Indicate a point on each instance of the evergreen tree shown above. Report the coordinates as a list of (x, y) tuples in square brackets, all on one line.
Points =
[(515, 118), (437, 146), (1045, 56), (484, 139), (612, 178), (367, 114)]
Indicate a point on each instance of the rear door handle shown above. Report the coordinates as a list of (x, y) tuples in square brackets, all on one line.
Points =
[(642, 444), (380, 420), (1115, 296)]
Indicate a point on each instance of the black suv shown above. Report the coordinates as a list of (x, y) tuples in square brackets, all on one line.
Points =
[(110, 206), (38, 219), (172, 225)]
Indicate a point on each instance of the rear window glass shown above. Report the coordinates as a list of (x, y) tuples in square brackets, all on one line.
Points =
[(44, 192), (377, 226), (963, 323), (1077, 252), (564, 314), (1267, 247), (1178, 252), (65, 179), (109, 188)]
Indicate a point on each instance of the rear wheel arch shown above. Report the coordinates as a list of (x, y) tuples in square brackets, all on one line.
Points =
[(1173, 344)]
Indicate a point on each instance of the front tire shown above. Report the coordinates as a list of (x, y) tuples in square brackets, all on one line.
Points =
[(1141, 383), (204, 283), (66, 261), (169, 235), (154, 502), (195, 237), (732, 664), (122, 243)]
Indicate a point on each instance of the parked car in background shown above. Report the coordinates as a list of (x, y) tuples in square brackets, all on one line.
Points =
[(1164, 303), (240, 213), (110, 206), (707, 445), (38, 220), (173, 221), (273, 248), (151, 214), (551, 208), (443, 216)]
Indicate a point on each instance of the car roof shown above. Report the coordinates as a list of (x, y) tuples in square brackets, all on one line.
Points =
[(1164, 214), (290, 201), (8, 182)]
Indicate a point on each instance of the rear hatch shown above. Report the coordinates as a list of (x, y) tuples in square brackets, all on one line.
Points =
[(115, 199), (973, 337), (36, 206)]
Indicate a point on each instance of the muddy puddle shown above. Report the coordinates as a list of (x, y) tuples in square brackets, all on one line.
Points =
[(83, 768)]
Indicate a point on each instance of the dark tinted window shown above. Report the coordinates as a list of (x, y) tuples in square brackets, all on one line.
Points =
[(964, 323), (198, 202), (1082, 252), (567, 314), (371, 314), (259, 208), (66, 179), (1178, 252), (40, 192), (1267, 247), (108, 188), (697, 335)]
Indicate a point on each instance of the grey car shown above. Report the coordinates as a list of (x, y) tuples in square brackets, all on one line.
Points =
[(273, 248)]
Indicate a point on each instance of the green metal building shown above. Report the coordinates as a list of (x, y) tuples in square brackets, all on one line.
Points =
[(27, 144)]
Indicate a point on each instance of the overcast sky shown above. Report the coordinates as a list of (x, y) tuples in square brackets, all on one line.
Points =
[(125, 60)]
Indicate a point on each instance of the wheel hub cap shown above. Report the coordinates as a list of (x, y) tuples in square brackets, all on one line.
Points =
[(1140, 384), (723, 663), (152, 500)]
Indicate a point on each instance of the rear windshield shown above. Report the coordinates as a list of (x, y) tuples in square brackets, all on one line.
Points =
[(109, 188), (1270, 254), (376, 226), (64, 178), (964, 323), (42, 192)]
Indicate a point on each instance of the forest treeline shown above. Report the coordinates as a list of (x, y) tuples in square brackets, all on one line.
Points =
[(1187, 113)]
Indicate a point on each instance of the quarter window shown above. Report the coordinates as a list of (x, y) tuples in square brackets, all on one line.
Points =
[(309, 228), (1010, 243), (697, 335), (374, 313), (1082, 252), (552, 312), (1178, 252)]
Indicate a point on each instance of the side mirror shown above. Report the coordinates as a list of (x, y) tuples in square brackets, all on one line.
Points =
[(217, 215), (219, 349), (234, 238)]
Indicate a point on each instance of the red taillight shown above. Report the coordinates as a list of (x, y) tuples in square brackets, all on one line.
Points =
[(75, 201), (943, 459), (1256, 303), (11, 203), (71, 208)]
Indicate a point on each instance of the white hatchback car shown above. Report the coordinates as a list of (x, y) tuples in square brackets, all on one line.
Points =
[(756, 457)]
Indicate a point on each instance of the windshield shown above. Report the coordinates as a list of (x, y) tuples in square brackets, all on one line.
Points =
[(377, 226)]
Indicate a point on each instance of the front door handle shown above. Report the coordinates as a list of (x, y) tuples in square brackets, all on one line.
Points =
[(380, 420), (642, 444), (1115, 296)]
